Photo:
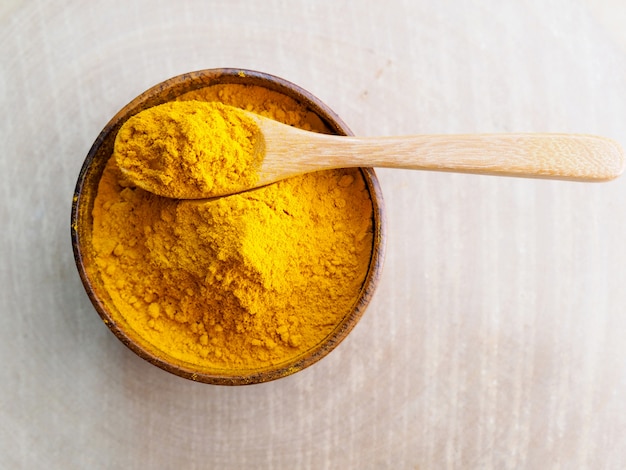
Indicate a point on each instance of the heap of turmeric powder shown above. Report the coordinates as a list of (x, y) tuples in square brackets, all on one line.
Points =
[(238, 283), (189, 147)]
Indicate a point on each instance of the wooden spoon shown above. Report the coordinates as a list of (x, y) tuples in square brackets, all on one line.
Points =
[(288, 151)]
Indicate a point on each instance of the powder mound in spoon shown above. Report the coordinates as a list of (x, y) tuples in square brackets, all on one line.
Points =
[(189, 149)]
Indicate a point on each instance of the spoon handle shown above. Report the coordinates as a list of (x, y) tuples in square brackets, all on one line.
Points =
[(574, 157)]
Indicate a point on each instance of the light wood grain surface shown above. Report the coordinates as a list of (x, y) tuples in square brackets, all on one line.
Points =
[(497, 337)]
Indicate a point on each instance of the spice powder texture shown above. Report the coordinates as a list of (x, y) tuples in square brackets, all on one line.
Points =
[(189, 147), (242, 282)]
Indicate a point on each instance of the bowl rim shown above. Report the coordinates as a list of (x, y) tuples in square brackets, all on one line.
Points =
[(165, 91)]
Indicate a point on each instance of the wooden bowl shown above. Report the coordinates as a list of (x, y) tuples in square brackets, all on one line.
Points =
[(82, 221)]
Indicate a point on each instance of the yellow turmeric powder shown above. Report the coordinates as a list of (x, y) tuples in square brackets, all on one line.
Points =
[(237, 283), (189, 147)]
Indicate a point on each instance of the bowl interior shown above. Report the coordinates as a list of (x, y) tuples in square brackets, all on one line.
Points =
[(82, 222)]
